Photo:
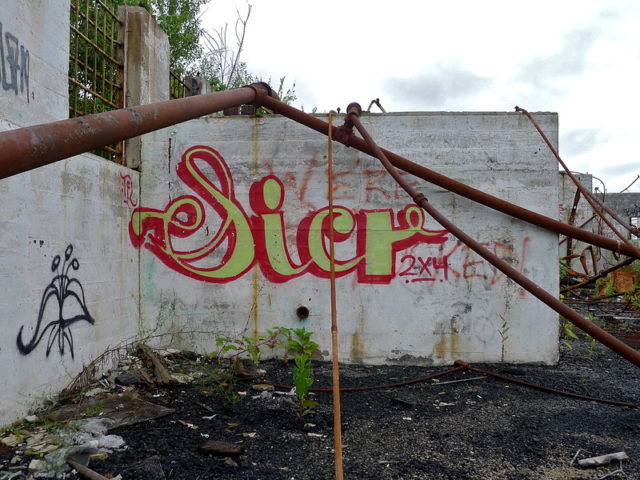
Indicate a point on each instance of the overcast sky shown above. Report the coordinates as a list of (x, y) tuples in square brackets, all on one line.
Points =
[(580, 58)]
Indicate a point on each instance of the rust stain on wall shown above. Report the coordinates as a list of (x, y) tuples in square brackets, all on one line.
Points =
[(357, 345), (448, 346)]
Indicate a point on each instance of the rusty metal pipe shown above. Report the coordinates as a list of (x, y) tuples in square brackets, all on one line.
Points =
[(542, 388), (373, 387), (603, 273), (585, 193), (621, 348), (340, 135), (27, 148)]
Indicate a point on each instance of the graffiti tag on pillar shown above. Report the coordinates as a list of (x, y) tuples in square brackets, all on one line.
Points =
[(63, 300), (128, 194), (240, 240), (14, 64)]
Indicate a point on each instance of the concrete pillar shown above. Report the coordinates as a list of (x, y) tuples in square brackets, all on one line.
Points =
[(147, 68)]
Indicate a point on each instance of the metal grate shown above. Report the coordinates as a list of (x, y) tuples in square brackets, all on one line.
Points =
[(96, 66), (177, 87)]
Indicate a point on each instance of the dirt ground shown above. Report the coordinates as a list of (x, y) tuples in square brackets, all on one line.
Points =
[(481, 428)]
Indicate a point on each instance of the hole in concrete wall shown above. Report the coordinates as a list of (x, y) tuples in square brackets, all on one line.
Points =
[(302, 312)]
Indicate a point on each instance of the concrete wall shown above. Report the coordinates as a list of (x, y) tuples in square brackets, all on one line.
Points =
[(34, 52), (233, 239), (69, 277), (626, 204)]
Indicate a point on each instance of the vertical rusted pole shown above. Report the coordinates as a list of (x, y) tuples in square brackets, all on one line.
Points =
[(337, 423)]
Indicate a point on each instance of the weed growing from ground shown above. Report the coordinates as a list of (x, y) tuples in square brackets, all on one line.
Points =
[(232, 348), (298, 341)]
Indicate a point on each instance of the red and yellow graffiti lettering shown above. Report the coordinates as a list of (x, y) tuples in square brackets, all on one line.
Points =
[(240, 241)]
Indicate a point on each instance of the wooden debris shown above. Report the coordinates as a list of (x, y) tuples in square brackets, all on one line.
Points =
[(152, 359), (245, 368), (146, 378), (86, 472), (263, 387), (225, 449), (602, 459)]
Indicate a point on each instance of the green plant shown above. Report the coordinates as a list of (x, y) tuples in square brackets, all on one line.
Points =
[(94, 409), (566, 330), (226, 390), (15, 429), (298, 341), (302, 376), (592, 341), (604, 285), (252, 346)]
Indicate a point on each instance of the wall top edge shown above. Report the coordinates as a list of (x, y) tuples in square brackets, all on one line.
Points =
[(413, 114)]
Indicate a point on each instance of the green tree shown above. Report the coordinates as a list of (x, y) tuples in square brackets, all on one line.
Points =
[(180, 19)]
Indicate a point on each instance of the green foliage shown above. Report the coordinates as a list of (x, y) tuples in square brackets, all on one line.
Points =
[(301, 344), (295, 341), (604, 285), (302, 376), (94, 409), (286, 94), (568, 332), (298, 342), (231, 348), (633, 299), (180, 19)]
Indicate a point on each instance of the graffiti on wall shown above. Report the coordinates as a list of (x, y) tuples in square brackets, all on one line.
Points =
[(14, 64), (128, 194), (632, 211), (378, 245), (368, 240), (456, 261), (62, 303)]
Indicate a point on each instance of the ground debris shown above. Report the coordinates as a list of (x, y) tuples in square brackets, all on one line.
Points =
[(149, 469), (152, 359), (599, 460), (221, 448)]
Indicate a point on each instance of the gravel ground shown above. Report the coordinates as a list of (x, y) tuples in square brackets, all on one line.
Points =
[(479, 429)]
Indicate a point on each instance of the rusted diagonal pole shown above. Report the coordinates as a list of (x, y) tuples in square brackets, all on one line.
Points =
[(450, 184), (585, 193), (27, 148), (621, 348)]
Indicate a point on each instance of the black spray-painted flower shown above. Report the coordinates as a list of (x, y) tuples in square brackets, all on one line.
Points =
[(64, 298)]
